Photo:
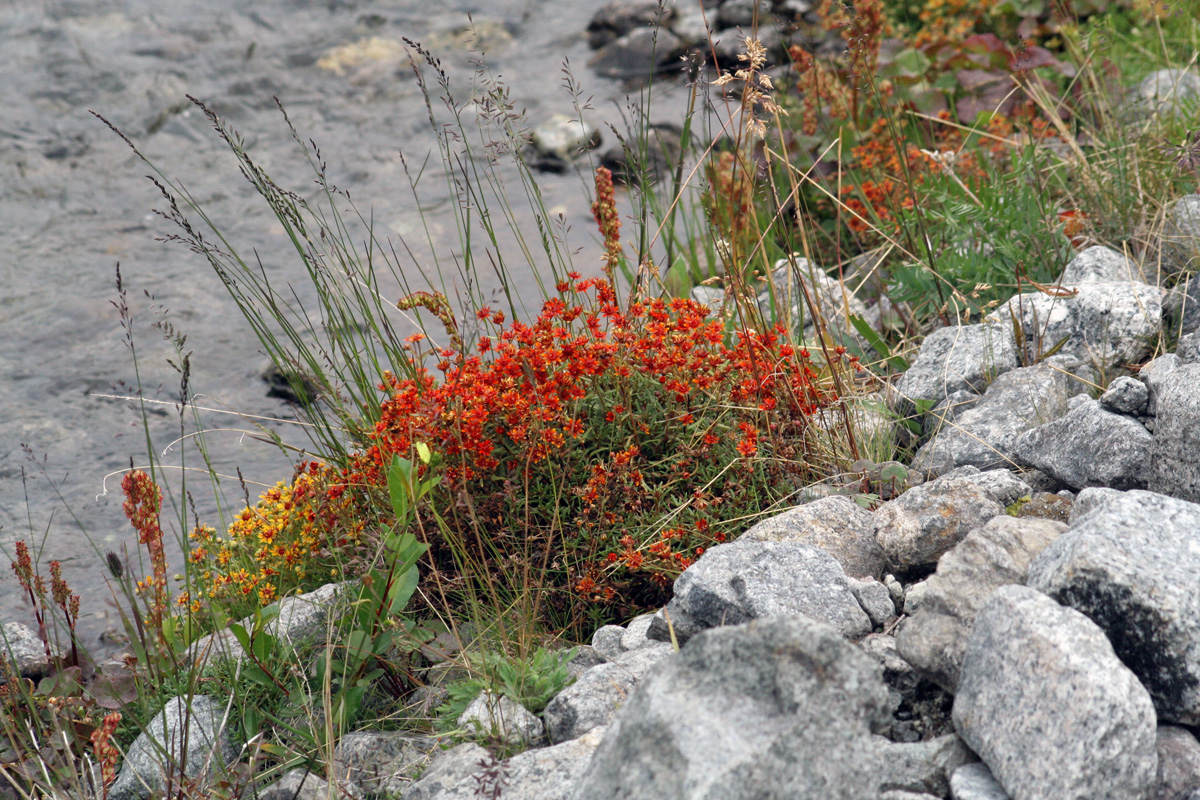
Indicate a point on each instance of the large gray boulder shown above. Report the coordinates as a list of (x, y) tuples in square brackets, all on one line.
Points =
[(1175, 454), (1049, 707), (984, 436), (956, 358), (934, 638), (1090, 446), (1131, 562), (745, 580), (187, 734), (1102, 325), (780, 707), (468, 772), (836, 525), (918, 526), (598, 694)]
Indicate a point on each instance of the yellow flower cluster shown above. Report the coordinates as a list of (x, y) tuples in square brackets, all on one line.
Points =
[(293, 532)]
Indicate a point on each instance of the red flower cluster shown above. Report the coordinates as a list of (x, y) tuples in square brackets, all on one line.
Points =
[(622, 408)]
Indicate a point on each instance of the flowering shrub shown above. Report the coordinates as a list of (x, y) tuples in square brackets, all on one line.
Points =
[(615, 445)]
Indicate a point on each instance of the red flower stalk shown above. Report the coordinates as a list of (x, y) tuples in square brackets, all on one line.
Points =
[(605, 212), (105, 751), (143, 499)]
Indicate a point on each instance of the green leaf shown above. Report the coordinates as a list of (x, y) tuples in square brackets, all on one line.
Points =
[(878, 344), (908, 63)]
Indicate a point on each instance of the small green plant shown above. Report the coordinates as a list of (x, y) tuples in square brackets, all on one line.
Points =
[(531, 682)]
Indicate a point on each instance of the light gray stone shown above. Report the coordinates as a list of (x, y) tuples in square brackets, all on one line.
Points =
[(598, 694), (638, 54), (1048, 706), (1130, 562), (1103, 325), (301, 619), (26, 652), (498, 715), (564, 137), (446, 769), (922, 766), (1175, 455), (934, 638), (1090, 446), (957, 358), (1178, 764), (1126, 395), (984, 436), (1181, 236), (791, 279), (1101, 265), (183, 733), (836, 525), (875, 599), (917, 527), (382, 762), (740, 581), (548, 773), (900, 794), (947, 412), (1188, 351), (301, 784), (1167, 91), (619, 17), (731, 717), (607, 641), (1154, 374), (1181, 306), (635, 632), (976, 782)]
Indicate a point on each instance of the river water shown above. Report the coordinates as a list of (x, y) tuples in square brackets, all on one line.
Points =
[(74, 202)]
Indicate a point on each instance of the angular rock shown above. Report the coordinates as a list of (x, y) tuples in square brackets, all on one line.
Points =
[(382, 762), (791, 279), (947, 412), (1048, 706), (597, 695), (934, 638), (732, 716), (875, 599), (549, 773), (957, 358), (976, 782), (1090, 446), (985, 435), (1130, 562), (1126, 395), (635, 632), (1188, 351), (25, 650), (184, 733), (916, 528), (836, 525), (607, 641), (1103, 325), (1154, 374), (498, 715), (740, 581), (1101, 265), (922, 766), (1175, 455), (1181, 306)]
